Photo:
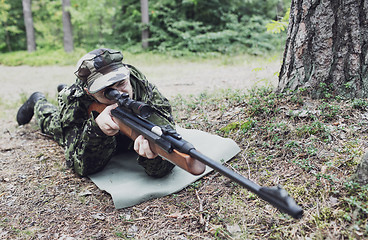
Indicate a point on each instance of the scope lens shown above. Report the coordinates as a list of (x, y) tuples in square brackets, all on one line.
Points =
[(112, 94), (140, 108)]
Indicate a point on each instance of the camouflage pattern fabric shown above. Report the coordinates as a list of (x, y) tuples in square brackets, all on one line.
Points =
[(87, 148), (100, 68)]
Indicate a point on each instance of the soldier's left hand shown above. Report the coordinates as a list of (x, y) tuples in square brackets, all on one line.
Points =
[(142, 147)]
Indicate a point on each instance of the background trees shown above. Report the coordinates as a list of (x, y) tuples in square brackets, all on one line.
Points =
[(214, 25), (181, 25), (67, 27), (4, 31), (145, 22), (28, 23)]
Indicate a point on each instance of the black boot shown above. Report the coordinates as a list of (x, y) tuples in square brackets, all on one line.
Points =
[(26, 111), (61, 87)]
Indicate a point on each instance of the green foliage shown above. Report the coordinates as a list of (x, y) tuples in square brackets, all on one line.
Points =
[(211, 26), (94, 22), (243, 126), (47, 21), (316, 128), (182, 27), (329, 111), (279, 26), (262, 101), (361, 104), (11, 26), (357, 201), (128, 25)]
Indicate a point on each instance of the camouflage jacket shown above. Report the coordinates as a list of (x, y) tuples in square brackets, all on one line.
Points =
[(87, 148)]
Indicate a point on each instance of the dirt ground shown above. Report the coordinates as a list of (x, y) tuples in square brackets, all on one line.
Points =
[(310, 147), (42, 199), (172, 79)]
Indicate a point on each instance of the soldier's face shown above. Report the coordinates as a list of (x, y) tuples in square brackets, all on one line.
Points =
[(123, 86)]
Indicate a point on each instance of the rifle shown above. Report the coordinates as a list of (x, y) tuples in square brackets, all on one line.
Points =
[(131, 116)]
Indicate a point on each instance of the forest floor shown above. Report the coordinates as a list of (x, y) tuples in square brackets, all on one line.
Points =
[(287, 140)]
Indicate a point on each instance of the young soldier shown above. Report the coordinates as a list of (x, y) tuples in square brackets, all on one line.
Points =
[(90, 138)]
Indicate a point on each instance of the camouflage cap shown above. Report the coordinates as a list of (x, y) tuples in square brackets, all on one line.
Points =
[(101, 68)]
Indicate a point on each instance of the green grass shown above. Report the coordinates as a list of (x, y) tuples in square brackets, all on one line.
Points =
[(43, 57), (314, 157)]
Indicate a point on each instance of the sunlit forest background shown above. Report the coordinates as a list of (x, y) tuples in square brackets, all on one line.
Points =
[(177, 27)]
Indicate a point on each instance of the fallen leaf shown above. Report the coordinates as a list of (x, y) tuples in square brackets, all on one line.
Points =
[(98, 216)]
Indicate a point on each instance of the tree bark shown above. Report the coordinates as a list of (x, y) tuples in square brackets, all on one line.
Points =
[(326, 48), (67, 27), (28, 22), (361, 174), (145, 22)]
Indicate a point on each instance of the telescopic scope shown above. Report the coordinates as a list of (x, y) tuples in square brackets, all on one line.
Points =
[(140, 108)]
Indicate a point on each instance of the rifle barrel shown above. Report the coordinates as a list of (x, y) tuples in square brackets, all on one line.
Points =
[(225, 171), (276, 196)]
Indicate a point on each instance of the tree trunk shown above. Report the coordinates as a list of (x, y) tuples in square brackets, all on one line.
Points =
[(145, 22), (7, 38), (361, 174), (327, 48), (28, 22), (67, 27)]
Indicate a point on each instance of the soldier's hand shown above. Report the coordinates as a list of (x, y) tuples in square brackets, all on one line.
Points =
[(141, 146), (106, 123)]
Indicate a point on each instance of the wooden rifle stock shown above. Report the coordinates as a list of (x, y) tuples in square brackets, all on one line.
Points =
[(96, 107), (182, 160)]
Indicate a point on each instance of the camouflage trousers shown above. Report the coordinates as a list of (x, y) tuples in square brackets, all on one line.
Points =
[(48, 119)]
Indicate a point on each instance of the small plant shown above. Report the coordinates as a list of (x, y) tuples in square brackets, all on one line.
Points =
[(360, 104), (325, 91), (316, 128), (262, 101), (244, 126), (297, 99), (279, 26), (304, 164), (329, 111), (355, 205)]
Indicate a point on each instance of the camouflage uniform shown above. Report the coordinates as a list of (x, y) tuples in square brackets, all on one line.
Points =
[(87, 148)]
